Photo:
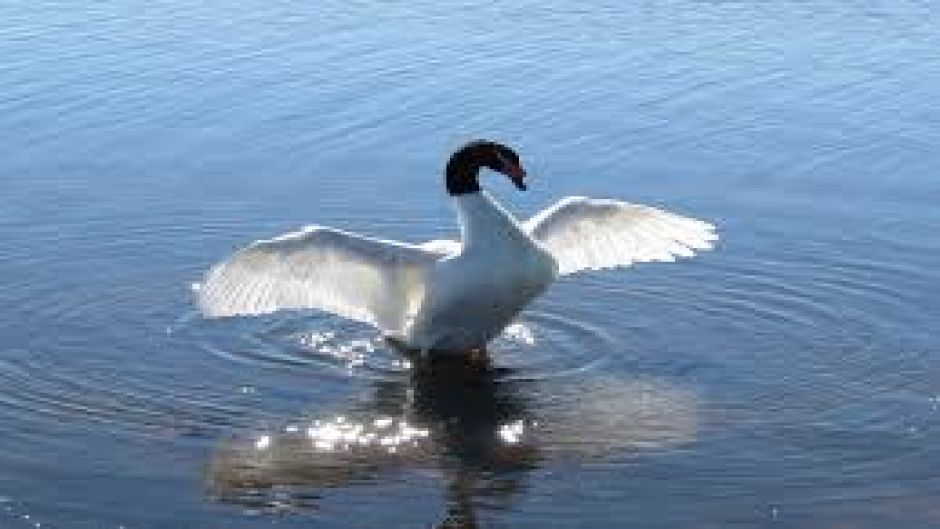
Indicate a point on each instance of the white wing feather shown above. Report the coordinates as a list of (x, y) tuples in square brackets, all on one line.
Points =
[(587, 234), (370, 280)]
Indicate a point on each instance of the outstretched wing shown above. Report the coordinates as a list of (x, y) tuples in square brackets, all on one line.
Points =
[(583, 233), (370, 280)]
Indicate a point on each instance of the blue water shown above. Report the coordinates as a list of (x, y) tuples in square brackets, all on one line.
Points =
[(791, 378)]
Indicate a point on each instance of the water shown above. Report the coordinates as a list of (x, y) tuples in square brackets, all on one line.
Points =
[(789, 379)]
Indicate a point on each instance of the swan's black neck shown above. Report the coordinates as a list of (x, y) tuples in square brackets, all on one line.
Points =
[(463, 168)]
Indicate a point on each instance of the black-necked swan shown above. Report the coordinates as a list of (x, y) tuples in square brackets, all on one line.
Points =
[(445, 295)]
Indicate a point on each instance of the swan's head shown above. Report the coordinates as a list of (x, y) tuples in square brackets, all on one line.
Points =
[(506, 161), (465, 164)]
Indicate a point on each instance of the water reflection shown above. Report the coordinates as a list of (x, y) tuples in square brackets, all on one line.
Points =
[(477, 427)]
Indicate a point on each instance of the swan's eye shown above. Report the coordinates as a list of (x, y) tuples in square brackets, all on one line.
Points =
[(508, 155), (509, 163)]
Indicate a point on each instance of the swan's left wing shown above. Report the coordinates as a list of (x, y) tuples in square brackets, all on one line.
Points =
[(361, 278), (583, 233)]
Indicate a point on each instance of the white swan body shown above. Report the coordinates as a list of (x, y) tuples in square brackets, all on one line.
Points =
[(444, 295), (475, 293)]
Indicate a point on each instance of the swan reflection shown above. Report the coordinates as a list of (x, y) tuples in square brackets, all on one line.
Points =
[(476, 427)]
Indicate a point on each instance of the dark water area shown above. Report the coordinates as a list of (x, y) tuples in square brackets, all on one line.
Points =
[(790, 378)]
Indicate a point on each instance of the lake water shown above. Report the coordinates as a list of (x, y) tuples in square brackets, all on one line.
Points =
[(791, 378)]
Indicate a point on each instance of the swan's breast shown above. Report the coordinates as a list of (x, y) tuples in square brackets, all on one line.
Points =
[(473, 296)]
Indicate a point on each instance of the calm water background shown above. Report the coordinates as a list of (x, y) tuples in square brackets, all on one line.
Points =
[(789, 379)]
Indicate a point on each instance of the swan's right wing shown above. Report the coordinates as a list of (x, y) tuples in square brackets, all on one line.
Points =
[(442, 246), (361, 278), (587, 234)]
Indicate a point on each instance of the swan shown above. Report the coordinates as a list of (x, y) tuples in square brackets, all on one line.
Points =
[(448, 296)]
